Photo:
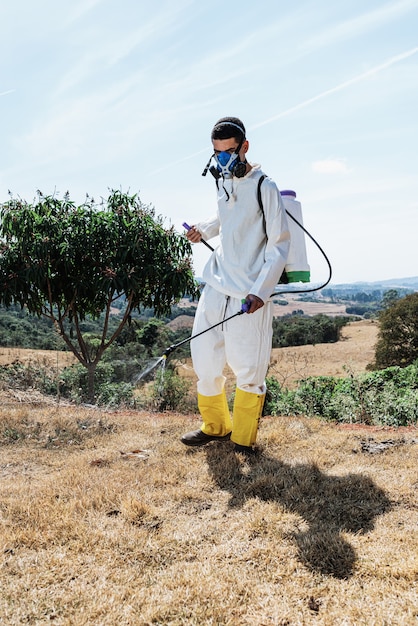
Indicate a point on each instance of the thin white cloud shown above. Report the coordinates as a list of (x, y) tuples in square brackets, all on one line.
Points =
[(300, 21), (330, 166), (364, 75), (370, 191), (118, 48), (352, 81), (79, 9), (5, 93), (360, 25)]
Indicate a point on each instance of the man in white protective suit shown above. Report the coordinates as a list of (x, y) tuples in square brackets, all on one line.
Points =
[(246, 265)]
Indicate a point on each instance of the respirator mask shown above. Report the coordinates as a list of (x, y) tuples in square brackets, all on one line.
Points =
[(227, 165)]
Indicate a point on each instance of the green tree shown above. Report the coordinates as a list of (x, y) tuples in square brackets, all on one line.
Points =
[(149, 333), (397, 341), (66, 262), (390, 297)]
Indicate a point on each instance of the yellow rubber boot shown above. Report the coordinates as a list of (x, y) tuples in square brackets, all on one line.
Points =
[(245, 417), (215, 414)]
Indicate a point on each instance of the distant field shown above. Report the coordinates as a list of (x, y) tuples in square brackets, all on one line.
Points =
[(294, 304), (309, 308)]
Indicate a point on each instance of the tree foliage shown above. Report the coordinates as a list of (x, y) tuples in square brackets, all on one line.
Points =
[(297, 330), (397, 341), (66, 262)]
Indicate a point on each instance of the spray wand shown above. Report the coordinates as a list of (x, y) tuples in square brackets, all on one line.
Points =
[(161, 360), (244, 309)]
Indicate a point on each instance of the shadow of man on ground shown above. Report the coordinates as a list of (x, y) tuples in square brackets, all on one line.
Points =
[(328, 504)]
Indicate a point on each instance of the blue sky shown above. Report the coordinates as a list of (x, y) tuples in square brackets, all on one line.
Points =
[(98, 94)]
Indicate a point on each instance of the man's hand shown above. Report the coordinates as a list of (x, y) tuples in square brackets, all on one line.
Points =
[(254, 302), (193, 235)]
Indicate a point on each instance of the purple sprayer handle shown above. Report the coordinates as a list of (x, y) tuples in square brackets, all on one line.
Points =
[(245, 306), (187, 227)]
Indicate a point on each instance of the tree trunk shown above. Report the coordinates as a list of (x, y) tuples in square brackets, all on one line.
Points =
[(91, 371)]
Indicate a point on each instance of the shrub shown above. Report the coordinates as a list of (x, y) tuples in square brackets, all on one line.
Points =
[(296, 330), (115, 394), (281, 401), (73, 385), (388, 397), (19, 376), (170, 391)]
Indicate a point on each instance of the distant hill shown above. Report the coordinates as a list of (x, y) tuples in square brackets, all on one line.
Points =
[(391, 283)]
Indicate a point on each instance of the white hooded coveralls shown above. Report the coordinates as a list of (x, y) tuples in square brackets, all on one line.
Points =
[(250, 258)]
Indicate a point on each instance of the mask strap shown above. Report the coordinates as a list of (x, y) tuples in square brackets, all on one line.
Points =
[(227, 194), (205, 171), (223, 187)]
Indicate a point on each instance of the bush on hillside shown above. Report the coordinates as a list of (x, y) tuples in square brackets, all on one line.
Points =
[(297, 330), (387, 397)]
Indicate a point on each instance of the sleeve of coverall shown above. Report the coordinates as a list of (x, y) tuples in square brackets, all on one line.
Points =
[(209, 228), (278, 241)]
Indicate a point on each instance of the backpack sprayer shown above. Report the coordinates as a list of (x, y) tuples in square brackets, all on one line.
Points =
[(296, 269)]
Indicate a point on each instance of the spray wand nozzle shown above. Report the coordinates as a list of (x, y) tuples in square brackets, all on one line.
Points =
[(245, 305)]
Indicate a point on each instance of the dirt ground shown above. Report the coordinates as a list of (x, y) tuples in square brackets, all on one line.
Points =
[(106, 518)]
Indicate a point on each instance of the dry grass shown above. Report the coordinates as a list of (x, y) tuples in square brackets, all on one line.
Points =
[(41, 358), (105, 518), (351, 354)]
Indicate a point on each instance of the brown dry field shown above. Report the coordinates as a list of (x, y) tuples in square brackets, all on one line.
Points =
[(310, 308), (351, 354), (43, 358), (106, 518)]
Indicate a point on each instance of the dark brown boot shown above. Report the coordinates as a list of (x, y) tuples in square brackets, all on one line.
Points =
[(199, 438)]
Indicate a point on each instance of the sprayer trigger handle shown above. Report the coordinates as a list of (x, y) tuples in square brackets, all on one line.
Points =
[(186, 226), (245, 306)]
